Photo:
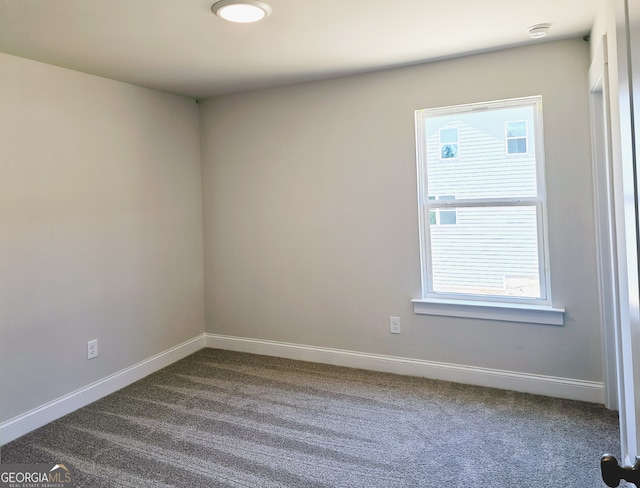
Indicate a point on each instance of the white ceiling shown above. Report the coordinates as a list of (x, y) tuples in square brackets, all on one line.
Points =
[(180, 46)]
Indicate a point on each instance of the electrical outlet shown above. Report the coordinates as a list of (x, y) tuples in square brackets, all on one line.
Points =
[(92, 349), (394, 325)]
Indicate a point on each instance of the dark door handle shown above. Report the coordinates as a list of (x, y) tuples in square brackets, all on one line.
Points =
[(613, 473)]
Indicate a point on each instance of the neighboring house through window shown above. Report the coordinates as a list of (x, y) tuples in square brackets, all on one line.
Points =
[(516, 137), (497, 249), (448, 143), (442, 216)]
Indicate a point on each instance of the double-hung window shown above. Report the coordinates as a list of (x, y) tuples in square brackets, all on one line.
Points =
[(449, 143), (516, 136), (483, 209)]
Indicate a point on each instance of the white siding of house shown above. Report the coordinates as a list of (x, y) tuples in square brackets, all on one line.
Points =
[(503, 240)]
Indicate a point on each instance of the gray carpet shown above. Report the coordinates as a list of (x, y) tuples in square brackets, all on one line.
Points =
[(226, 419)]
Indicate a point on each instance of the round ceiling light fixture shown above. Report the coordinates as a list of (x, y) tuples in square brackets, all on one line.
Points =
[(241, 11), (538, 31)]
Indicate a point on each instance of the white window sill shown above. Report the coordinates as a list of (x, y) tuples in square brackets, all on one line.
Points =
[(510, 312)]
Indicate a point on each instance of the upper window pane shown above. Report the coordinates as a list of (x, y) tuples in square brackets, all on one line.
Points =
[(448, 135), (483, 162), (517, 129)]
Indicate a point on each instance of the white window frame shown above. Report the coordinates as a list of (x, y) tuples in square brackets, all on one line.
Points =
[(515, 309)]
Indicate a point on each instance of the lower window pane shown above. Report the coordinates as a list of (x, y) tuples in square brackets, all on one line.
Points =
[(490, 251), (517, 146), (447, 217)]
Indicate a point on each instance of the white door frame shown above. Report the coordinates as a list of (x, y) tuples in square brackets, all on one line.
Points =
[(605, 221)]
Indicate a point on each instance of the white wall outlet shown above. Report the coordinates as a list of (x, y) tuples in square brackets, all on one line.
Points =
[(394, 325), (92, 349)]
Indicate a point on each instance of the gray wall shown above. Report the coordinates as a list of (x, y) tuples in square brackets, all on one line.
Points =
[(311, 231), (100, 229), (310, 220)]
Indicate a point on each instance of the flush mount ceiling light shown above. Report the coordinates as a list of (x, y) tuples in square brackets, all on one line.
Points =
[(538, 31), (242, 11)]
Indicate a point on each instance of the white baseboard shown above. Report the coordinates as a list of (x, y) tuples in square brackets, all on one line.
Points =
[(589, 391), (568, 388), (33, 419)]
